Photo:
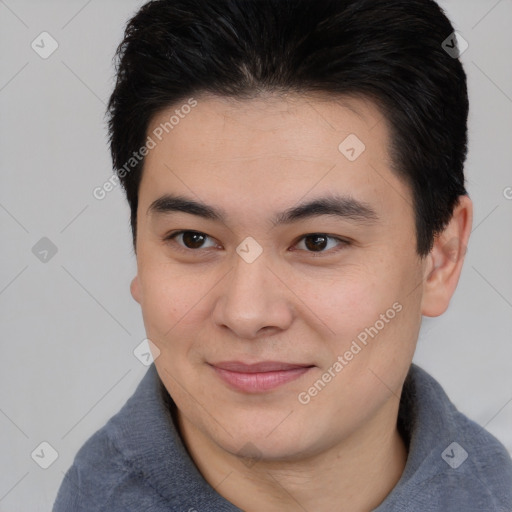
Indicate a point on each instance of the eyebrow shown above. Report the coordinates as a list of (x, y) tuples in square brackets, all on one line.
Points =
[(344, 207)]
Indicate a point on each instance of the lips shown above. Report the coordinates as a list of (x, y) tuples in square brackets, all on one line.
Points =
[(264, 366), (258, 377)]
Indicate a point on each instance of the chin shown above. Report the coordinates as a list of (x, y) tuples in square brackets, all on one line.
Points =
[(270, 441)]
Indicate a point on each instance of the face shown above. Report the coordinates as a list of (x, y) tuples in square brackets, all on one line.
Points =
[(277, 271)]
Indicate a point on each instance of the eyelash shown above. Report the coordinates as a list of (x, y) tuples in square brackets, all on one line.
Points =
[(170, 238)]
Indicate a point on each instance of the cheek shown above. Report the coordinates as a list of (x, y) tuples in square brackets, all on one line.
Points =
[(371, 304), (344, 299), (171, 298)]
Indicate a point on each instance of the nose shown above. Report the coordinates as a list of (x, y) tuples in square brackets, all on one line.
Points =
[(252, 301)]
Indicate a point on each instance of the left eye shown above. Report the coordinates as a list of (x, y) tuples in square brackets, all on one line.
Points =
[(319, 242)]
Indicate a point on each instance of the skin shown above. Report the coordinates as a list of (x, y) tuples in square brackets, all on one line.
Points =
[(295, 303)]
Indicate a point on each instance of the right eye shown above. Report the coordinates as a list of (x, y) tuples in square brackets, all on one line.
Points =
[(189, 240)]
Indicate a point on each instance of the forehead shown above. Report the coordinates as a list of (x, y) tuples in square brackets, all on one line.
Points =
[(318, 119), (272, 148)]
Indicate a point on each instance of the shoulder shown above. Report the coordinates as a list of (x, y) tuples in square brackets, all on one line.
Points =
[(96, 471), (477, 458), (453, 462), (105, 474)]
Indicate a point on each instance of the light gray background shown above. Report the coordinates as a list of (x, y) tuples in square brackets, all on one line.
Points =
[(69, 326)]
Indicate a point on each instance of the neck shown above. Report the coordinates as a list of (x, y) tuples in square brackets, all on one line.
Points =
[(358, 472)]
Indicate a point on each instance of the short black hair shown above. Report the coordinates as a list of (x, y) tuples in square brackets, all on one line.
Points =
[(388, 51)]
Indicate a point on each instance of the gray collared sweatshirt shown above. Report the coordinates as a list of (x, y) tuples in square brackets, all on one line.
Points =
[(137, 462)]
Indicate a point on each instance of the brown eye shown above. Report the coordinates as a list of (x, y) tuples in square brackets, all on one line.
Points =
[(316, 242), (193, 240), (321, 243)]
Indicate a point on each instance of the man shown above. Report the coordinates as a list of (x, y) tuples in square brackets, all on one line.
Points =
[(294, 171)]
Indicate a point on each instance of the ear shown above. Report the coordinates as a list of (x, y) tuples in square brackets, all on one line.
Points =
[(444, 262), (135, 289)]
